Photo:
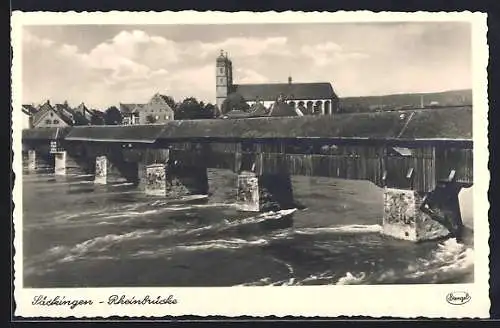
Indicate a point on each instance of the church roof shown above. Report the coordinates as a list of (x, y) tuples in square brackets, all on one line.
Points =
[(271, 91)]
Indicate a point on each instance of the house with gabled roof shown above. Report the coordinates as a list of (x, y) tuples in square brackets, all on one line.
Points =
[(65, 112), (28, 111), (130, 113), (84, 112), (48, 116), (156, 111)]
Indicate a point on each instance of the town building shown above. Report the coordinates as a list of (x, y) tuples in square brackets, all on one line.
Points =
[(48, 116), (83, 112), (317, 98), (156, 111), (28, 111)]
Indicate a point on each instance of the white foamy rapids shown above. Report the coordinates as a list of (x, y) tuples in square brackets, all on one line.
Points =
[(233, 243), (72, 182), (261, 282), (62, 217), (450, 257), (250, 220), (323, 278), (350, 279), (82, 175), (122, 184), (190, 207), (260, 218), (320, 277), (217, 244), (132, 212), (447, 260), (289, 267), (97, 245), (352, 228), (267, 281)]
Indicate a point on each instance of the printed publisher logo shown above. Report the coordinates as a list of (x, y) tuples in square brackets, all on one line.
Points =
[(458, 298)]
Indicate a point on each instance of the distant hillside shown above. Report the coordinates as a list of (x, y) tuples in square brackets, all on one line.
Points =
[(404, 101)]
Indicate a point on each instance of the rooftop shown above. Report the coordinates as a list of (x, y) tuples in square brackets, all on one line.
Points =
[(271, 91)]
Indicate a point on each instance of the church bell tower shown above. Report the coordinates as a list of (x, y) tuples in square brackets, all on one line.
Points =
[(224, 78)]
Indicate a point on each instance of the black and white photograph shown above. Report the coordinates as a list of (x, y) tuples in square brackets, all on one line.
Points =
[(165, 154)]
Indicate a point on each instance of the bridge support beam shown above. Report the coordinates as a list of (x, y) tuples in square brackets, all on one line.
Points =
[(410, 215), (173, 181), (31, 160), (60, 163), (266, 192), (101, 170)]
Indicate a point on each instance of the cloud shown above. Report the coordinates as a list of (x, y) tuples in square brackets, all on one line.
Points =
[(323, 54), (249, 46), (243, 76), (132, 65), (30, 40)]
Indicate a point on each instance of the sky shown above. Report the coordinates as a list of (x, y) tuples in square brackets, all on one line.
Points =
[(103, 65)]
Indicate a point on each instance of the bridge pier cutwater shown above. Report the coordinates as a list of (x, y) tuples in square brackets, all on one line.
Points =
[(420, 174)]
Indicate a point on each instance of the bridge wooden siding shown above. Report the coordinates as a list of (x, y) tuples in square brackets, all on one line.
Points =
[(420, 169), (411, 150)]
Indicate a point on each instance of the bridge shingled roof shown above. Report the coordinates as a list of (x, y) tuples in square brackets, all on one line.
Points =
[(455, 123), (450, 123), (45, 133), (116, 133)]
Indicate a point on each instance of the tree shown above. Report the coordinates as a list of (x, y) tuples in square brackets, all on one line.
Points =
[(79, 119), (211, 110), (170, 101), (97, 118), (191, 109), (234, 101), (113, 116)]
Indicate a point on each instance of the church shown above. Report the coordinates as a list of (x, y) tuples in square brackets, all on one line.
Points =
[(317, 98)]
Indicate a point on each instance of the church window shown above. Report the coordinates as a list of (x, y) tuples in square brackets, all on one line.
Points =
[(51, 114), (221, 70), (48, 121), (56, 121)]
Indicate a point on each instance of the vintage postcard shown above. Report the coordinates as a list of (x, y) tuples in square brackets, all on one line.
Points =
[(257, 164)]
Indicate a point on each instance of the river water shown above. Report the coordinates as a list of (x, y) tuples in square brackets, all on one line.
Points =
[(77, 234)]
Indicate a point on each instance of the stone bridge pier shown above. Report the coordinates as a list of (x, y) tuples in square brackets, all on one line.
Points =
[(163, 172), (50, 155), (261, 188), (106, 162), (418, 216), (264, 192)]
